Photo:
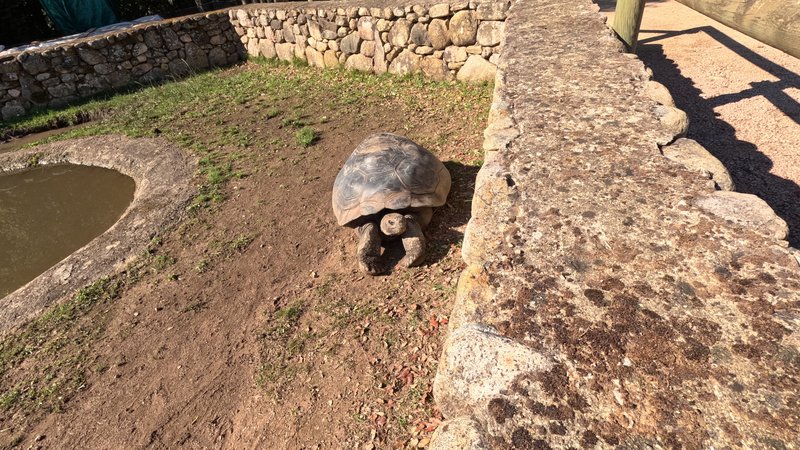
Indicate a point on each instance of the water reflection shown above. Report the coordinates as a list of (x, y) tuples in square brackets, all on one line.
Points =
[(48, 212)]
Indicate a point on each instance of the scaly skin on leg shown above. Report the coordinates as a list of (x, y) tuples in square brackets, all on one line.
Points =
[(369, 249), (413, 243)]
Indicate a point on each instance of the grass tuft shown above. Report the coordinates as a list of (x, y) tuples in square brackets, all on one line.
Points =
[(306, 136)]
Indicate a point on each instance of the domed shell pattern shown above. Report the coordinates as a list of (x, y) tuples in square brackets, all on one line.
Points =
[(387, 171)]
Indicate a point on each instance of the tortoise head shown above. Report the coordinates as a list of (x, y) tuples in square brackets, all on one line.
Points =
[(393, 224)]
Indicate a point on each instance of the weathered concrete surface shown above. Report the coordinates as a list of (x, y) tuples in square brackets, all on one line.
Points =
[(654, 324), (163, 176)]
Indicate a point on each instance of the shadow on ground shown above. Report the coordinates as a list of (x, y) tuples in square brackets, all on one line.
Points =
[(749, 168), (445, 228)]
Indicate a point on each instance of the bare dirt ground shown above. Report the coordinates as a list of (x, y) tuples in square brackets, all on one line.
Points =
[(742, 98), (250, 325)]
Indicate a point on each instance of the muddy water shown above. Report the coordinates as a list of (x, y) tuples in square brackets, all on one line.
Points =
[(48, 212)]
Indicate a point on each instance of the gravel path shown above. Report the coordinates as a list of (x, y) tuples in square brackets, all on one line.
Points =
[(742, 97)]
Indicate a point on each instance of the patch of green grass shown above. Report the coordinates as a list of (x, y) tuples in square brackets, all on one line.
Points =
[(241, 242), (306, 136), (9, 398), (272, 113), (202, 266), (161, 262), (58, 374)]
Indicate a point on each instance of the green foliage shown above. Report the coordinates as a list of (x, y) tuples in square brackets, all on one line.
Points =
[(306, 136)]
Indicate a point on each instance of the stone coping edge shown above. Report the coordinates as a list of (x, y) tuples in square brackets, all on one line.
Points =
[(164, 177)]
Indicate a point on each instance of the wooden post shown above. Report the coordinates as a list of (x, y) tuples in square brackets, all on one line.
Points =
[(773, 22), (627, 20)]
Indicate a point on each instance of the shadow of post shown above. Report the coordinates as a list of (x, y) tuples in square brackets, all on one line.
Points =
[(749, 168)]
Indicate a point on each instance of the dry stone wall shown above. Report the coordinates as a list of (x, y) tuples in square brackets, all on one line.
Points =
[(459, 40), (59, 75)]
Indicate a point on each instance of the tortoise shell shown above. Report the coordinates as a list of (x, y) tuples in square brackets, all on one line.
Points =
[(388, 172)]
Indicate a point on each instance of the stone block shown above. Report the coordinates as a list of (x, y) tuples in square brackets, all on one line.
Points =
[(460, 433), (330, 59), (454, 54), (285, 51), (405, 63), (658, 92), (490, 33), (366, 28), (314, 57), (400, 33), (419, 35), (266, 49), (747, 210), (463, 28), (351, 44), (368, 49), (673, 119), (491, 11), (359, 62), (434, 68), (477, 365), (439, 10), (694, 157), (477, 69), (438, 36)]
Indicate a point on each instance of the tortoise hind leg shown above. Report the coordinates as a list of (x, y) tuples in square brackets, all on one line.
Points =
[(413, 243), (369, 249)]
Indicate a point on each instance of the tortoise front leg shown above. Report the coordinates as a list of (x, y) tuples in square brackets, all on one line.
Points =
[(413, 243), (369, 248)]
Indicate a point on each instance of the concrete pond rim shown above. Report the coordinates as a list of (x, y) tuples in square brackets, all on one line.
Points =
[(163, 174)]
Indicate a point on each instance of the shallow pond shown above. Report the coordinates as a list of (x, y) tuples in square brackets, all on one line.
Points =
[(48, 212)]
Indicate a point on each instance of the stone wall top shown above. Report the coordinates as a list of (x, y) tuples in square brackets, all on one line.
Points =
[(613, 298)]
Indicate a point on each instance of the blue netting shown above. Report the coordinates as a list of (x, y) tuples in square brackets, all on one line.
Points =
[(77, 16)]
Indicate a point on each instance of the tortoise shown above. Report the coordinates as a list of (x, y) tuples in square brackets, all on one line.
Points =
[(387, 189)]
